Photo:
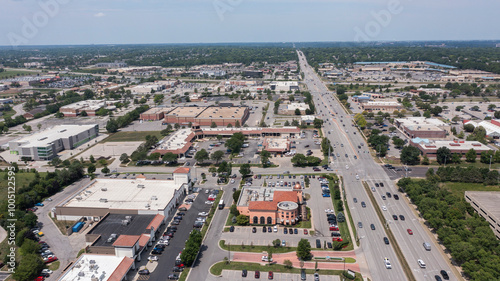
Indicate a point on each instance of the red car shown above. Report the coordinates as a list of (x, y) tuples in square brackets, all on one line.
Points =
[(334, 228), (270, 276), (339, 239), (409, 231), (305, 231), (40, 278), (51, 259)]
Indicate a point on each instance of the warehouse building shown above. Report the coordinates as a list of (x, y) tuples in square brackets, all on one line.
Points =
[(486, 205), (89, 106), (284, 86), (421, 127), (492, 127), (46, 144), (154, 114), (139, 196), (92, 267), (290, 108), (429, 147), (204, 116)]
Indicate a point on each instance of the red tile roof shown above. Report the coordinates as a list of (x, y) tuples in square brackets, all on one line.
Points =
[(181, 170), (280, 196), (156, 222), (126, 240), (121, 270), (144, 239), (262, 205)]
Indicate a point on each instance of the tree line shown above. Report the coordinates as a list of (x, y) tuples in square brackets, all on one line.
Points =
[(463, 232)]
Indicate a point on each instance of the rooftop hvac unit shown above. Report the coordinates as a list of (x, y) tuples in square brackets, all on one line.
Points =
[(81, 273), (147, 206), (140, 186), (92, 262), (78, 198), (88, 191), (41, 139), (154, 198), (104, 189), (103, 200), (62, 131)]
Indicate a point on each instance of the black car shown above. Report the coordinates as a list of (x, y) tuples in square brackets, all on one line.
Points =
[(143, 272), (329, 245), (388, 194), (377, 185), (160, 246), (179, 218), (372, 226), (43, 274), (438, 278), (445, 275), (396, 196), (173, 277), (244, 273), (386, 240), (254, 229), (401, 217), (290, 231), (285, 231), (318, 243), (395, 217), (179, 263), (177, 269), (295, 231), (231, 229), (176, 222), (381, 184), (269, 229), (264, 229), (156, 252), (172, 228), (181, 213)]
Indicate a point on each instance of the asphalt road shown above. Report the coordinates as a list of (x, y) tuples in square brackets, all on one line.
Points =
[(364, 168)]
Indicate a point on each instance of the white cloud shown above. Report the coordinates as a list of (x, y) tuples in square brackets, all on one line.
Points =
[(99, 15)]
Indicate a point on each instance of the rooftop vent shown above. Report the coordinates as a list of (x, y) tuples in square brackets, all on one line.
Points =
[(78, 198), (104, 189), (103, 200)]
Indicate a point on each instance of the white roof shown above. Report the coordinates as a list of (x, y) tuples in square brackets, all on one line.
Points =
[(297, 105), (176, 140), (45, 137), (130, 194), (383, 103), (452, 145), (488, 126), (81, 269)]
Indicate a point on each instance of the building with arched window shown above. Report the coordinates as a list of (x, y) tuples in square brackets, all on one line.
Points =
[(272, 205)]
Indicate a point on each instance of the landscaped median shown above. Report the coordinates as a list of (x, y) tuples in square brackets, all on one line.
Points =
[(217, 268)]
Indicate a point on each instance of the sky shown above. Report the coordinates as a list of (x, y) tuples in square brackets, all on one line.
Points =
[(77, 22)]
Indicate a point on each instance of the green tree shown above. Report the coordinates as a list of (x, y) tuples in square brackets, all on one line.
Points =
[(456, 158), (242, 220), (236, 195), (299, 160), (288, 264), (235, 142), (304, 250), (112, 126), (443, 155), (245, 170), (471, 155), (217, 156), (264, 158), (83, 113), (287, 123), (213, 125), (91, 169), (317, 123), (92, 159), (169, 157), (297, 111), (469, 128), (158, 99), (398, 143), (105, 170), (425, 160), (124, 158), (29, 267), (237, 124), (201, 156), (486, 156), (410, 155), (191, 248), (427, 114)]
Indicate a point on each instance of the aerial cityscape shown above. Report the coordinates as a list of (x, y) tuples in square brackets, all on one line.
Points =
[(234, 140)]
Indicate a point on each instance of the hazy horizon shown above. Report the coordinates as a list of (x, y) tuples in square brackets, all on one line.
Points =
[(117, 22)]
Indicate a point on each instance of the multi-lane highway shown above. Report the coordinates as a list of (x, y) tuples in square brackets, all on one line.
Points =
[(355, 164)]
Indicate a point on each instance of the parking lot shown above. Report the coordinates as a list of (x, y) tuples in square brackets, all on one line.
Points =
[(236, 275)]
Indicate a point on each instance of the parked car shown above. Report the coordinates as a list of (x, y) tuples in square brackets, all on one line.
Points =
[(144, 272)]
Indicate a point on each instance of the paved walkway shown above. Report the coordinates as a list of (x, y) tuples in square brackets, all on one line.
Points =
[(280, 258)]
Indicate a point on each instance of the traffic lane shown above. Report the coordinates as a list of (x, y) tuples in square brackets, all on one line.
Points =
[(166, 261)]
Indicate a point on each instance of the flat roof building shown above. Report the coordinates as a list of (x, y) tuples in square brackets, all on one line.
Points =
[(279, 145), (429, 147), (486, 205), (284, 86), (384, 106), (154, 114), (204, 116), (133, 196), (421, 127), (91, 267), (46, 144), (492, 127), (290, 108), (89, 106)]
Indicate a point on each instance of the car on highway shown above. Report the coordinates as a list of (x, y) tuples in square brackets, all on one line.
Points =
[(438, 278), (363, 204), (401, 217), (421, 263), (387, 263), (396, 196), (410, 231), (384, 208), (355, 200), (388, 194), (386, 240), (395, 217), (372, 226), (377, 185), (360, 224), (383, 197), (445, 275)]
